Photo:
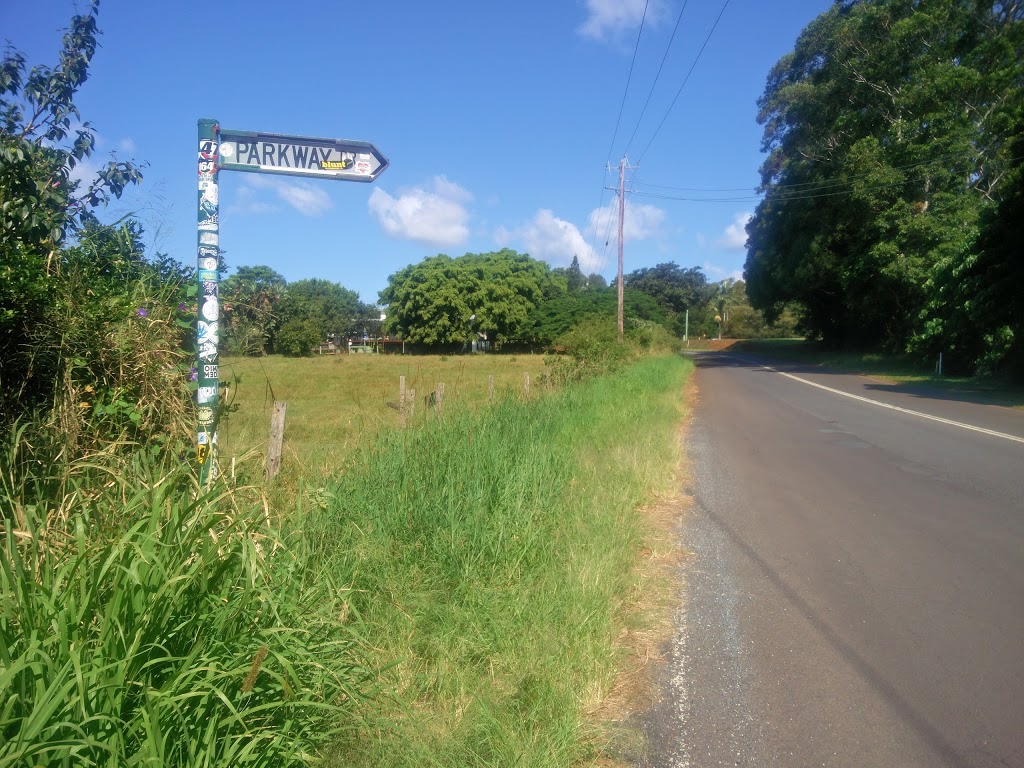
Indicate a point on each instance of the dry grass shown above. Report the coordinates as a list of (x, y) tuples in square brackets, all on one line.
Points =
[(337, 403), (652, 605)]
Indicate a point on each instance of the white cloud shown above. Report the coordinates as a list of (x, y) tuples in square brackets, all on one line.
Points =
[(717, 274), (434, 217), (735, 235), (701, 240), (640, 221), (556, 240), (503, 237), (305, 198), (552, 239), (610, 18), (126, 145)]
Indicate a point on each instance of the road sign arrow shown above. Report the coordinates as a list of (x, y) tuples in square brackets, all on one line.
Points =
[(299, 156)]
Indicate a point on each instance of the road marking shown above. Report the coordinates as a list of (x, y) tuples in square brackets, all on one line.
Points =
[(880, 404)]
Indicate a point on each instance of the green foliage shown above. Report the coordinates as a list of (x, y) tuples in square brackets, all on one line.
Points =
[(556, 317), (675, 289), (443, 301), (262, 311), (104, 360), (40, 205), (249, 300), (593, 347), (297, 338), (889, 134), (148, 622), (575, 280)]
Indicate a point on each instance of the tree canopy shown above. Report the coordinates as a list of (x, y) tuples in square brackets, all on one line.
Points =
[(445, 301), (891, 135), (674, 288)]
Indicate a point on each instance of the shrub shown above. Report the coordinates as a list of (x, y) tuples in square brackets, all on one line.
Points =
[(296, 338), (591, 347)]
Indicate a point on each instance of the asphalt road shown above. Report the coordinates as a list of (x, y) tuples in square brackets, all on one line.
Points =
[(855, 596)]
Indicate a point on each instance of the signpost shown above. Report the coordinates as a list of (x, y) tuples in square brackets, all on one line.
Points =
[(224, 150)]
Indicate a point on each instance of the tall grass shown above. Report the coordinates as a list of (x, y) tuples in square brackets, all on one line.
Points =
[(453, 598), (157, 625), (489, 556)]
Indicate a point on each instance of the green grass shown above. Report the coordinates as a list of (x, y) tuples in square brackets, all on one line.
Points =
[(490, 556), (902, 371), (451, 598), (159, 626)]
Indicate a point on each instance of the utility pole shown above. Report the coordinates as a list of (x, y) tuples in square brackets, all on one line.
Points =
[(622, 216)]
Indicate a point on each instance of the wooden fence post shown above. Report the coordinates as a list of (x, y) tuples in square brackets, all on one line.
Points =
[(438, 397), (526, 384), (276, 439), (401, 402), (490, 389)]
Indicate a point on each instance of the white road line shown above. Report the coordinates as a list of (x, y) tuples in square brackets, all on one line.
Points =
[(880, 404)]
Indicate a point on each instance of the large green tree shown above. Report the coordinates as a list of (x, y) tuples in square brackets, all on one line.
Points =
[(674, 288), (250, 299), (443, 301), (887, 131)]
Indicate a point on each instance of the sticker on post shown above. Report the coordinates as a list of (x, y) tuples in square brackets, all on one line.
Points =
[(206, 333), (207, 149), (210, 308), (207, 351)]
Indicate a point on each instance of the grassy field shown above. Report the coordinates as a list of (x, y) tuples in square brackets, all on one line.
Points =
[(339, 402), (459, 593), (903, 372)]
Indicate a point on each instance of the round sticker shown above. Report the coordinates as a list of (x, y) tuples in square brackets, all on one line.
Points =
[(227, 150), (210, 309)]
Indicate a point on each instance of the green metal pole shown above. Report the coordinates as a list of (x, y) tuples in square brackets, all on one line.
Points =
[(208, 321)]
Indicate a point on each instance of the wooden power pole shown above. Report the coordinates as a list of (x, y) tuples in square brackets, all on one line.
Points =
[(622, 212)]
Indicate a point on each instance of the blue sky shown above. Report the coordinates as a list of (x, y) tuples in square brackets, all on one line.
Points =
[(497, 118)]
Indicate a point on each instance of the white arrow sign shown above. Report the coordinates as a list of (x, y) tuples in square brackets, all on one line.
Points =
[(299, 156)]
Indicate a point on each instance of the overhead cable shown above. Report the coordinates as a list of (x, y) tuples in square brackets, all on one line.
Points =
[(685, 80), (658, 75), (636, 48)]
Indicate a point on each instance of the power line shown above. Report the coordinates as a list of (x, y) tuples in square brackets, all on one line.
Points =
[(658, 75), (593, 242), (782, 197), (685, 80), (817, 186), (622, 106)]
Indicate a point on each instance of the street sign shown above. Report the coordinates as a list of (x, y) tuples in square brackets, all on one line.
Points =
[(221, 150), (299, 156)]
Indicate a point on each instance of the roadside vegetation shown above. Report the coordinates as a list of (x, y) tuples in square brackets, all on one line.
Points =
[(894, 181), (443, 594), (453, 593)]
